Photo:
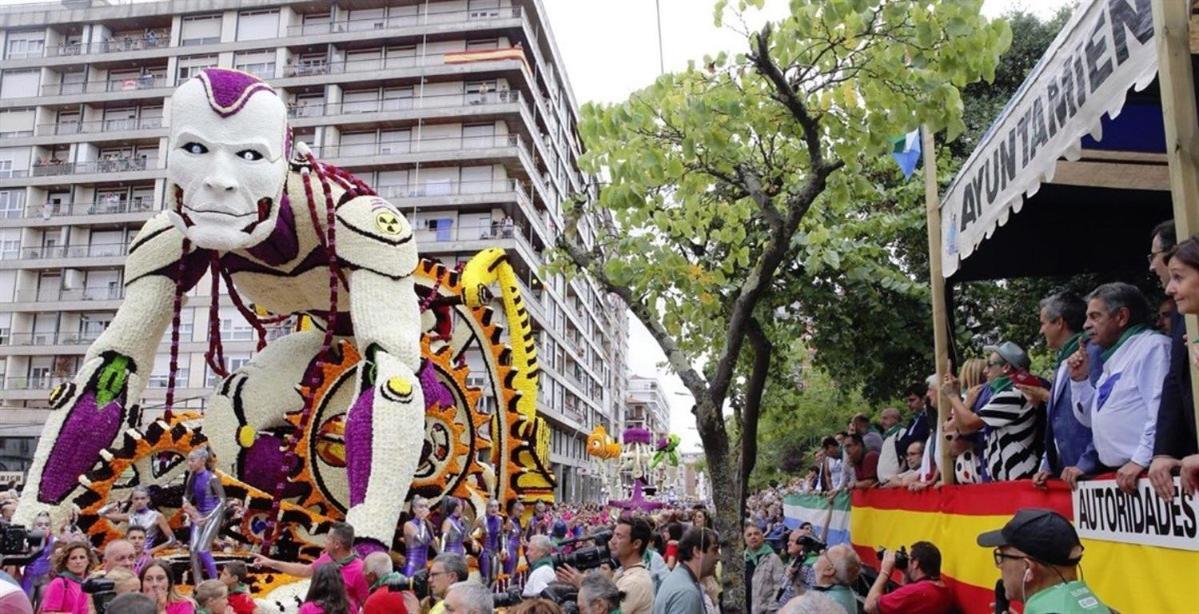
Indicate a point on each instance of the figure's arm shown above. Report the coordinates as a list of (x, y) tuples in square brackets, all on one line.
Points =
[(164, 527), (299, 570)]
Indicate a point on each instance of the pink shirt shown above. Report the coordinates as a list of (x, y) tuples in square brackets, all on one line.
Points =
[(311, 608), (64, 595), (357, 587), (181, 607)]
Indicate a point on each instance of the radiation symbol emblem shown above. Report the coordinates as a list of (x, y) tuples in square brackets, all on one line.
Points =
[(387, 222)]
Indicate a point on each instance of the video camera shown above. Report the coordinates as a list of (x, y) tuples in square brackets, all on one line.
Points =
[(102, 591), (18, 545), (901, 557), (565, 595), (507, 599), (811, 545), (418, 583), (589, 557)]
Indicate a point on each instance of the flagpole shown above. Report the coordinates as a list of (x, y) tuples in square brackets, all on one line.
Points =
[(932, 202)]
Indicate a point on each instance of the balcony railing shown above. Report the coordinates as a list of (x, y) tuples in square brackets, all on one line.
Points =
[(103, 250), (386, 148), (49, 210), (468, 232), (116, 165), (458, 188), (154, 40), (93, 293), (307, 68), (402, 21), (143, 82), (45, 382), (442, 101), (43, 339), (100, 125)]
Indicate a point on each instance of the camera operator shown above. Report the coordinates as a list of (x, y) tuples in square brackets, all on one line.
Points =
[(629, 542), (681, 592), (599, 595), (837, 571), (541, 565), (764, 572), (468, 598), (923, 591), (447, 569), (385, 599), (802, 551), (1037, 553)]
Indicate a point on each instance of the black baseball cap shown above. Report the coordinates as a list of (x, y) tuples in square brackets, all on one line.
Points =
[(1044, 535)]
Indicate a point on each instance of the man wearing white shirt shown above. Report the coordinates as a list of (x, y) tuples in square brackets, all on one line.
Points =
[(1121, 406), (541, 563)]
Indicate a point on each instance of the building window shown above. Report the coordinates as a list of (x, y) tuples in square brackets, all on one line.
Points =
[(190, 67), (255, 25), (200, 30)]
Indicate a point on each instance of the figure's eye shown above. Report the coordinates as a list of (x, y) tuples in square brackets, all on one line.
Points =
[(249, 154), (195, 148)]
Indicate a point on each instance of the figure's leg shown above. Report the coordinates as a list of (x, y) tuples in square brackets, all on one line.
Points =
[(200, 546), (254, 398)]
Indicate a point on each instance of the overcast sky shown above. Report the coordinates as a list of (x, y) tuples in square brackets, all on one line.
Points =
[(611, 50)]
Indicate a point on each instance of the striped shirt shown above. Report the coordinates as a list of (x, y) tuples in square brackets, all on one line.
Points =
[(1011, 452)]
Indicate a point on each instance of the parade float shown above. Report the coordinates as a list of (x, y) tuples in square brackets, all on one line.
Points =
[(323, 424)]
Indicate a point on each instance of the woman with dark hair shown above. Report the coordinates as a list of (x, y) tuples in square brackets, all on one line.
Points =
[(674, 532), (159, 584), (326, 593), (453, 528), (1175, 443), (64, 594)]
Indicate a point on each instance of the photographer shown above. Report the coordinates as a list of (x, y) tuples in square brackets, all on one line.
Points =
[(922, 591), (447, 569), (599, 595), (837, 571), (764, 572), (387, 596), (541, 565), (628, 545)]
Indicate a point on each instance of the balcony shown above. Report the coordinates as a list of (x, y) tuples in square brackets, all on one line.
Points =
[(106, 250), (92, 293), (47, 339), (42, 382), (459, 188), (143, 82), (403, 21), (152, 40), (56, 167), (47, 211), (98, 126), (447, 101)]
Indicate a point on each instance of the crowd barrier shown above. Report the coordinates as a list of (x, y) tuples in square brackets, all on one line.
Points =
[(1141, 551)]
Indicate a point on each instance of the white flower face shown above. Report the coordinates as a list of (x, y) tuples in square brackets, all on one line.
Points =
[(231, 169)]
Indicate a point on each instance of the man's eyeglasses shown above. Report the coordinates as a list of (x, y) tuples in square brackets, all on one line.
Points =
[(999, 555), (1153, 256)]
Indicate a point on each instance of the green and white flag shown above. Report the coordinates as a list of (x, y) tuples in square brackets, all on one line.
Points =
[(816, 509)]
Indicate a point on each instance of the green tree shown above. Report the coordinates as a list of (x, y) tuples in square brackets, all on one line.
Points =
[(711, 174)]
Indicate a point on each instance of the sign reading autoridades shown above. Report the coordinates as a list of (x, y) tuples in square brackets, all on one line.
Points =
[(1104, 512)]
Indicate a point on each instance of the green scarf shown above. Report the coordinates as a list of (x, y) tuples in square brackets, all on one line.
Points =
[(1069, 348), (70, 576), (1000, 384), (388, 579), (753, 556), (203, 611), (891, 431), (1128, 333), (543, 561), (239, 589)]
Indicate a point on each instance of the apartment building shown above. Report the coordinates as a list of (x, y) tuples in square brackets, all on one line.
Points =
[(646, 406), (459, 112)]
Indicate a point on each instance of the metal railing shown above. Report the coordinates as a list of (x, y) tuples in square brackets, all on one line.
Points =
[(424, 145), (439, 101), (469, 232), (116, 165), (52, 338), (154, 40), (309, 68), (93, 293), (458, 188), (100, 125), (45, 382), (103, 250), (12, 134), (402, 21), (143, 82), (49, 210)]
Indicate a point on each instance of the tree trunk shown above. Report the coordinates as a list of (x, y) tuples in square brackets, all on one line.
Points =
[(726, 496)]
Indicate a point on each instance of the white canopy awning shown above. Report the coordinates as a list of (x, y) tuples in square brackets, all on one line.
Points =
[(1105, 49)]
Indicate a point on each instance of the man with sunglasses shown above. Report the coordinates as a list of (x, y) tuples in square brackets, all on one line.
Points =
[(1037, 553)]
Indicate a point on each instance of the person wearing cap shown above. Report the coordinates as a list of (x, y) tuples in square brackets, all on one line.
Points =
[(1037, 553), (1121, 406), (1010, 419)]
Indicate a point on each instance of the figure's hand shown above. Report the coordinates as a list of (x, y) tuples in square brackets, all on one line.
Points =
[(919, 486), (1126, 476), (1036, 394), (1161, 475), (888, 563), (1190, 474), (1070, 476), (1041, 478)]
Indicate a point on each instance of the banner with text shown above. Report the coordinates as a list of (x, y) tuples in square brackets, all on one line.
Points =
[(1105, 49), (1104, 512)]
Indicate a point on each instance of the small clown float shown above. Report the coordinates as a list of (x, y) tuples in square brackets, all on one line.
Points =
[(322, 424)]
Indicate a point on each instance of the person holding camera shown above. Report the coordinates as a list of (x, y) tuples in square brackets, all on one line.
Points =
[(681, 592), (599, 595), (630, 539), (64, 594), (837, 570), (764, 572), (541, 565), (922, 592), (1037, 553)]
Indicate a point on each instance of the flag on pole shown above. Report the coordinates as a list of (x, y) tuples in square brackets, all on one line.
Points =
[(830, 519), (907, 152)]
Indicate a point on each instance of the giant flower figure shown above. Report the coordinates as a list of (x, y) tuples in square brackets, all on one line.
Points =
[(638, 447)]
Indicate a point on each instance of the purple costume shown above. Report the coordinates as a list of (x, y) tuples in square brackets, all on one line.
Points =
[(489, 561), (513, 538), (205, 493), (418, 550), (455, 537), (37, 572)]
